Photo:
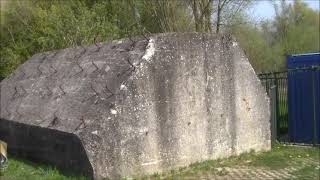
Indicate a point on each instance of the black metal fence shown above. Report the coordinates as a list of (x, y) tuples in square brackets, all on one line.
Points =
[(276, 85)]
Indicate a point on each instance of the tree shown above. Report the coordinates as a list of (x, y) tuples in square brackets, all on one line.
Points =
[(33, 26), (202, 11), (226, 11), (165, 16), (296, 29), (215, 12), (30, 27), (253, 42)]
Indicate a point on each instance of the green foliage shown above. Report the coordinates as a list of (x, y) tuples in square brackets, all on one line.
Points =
[(294, 30), (33, 26), (297, 29), (255, 47), (165, 16)]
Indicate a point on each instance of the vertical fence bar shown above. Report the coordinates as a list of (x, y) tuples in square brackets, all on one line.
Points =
[(286, 104), (277, 103), (280, 87), (274, 128), (314, 108)]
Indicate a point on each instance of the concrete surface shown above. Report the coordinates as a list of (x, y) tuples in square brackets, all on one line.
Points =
[(128, 108)]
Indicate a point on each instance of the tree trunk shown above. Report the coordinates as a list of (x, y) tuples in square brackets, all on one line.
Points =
[(218, 16), (208, 16), (195, 15)]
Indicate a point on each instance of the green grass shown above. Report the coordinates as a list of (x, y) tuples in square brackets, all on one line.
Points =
[(282, 156), (18, 169), (307, 172), (279, 157)]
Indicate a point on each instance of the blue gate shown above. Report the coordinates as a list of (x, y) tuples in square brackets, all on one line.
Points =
[(304, 98)]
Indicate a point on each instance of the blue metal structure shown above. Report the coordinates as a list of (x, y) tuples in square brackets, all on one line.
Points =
[(304, 98)]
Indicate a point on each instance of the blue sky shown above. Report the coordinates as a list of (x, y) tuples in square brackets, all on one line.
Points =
[(263, 9)]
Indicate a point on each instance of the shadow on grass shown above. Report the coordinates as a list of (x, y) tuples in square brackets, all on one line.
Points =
[(37, 144), (19, 168)]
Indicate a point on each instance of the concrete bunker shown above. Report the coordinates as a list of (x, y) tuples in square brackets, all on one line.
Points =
[(135, 107)]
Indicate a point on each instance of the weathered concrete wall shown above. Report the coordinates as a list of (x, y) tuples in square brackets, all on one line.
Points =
[(145, 106)]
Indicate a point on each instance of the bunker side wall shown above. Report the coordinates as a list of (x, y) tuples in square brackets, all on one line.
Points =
[(197, 98), (252, 107)]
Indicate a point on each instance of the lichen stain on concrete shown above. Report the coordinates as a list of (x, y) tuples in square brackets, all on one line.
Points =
[(138, 108)]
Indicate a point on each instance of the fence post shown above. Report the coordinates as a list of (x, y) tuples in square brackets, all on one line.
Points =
[(274, 125), (275, 83), (314, 108)]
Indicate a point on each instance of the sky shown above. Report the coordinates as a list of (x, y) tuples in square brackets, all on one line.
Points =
[(263, 9)]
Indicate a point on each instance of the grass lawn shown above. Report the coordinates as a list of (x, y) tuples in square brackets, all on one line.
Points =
[(298, 162), (281, 157), (18, 169)]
